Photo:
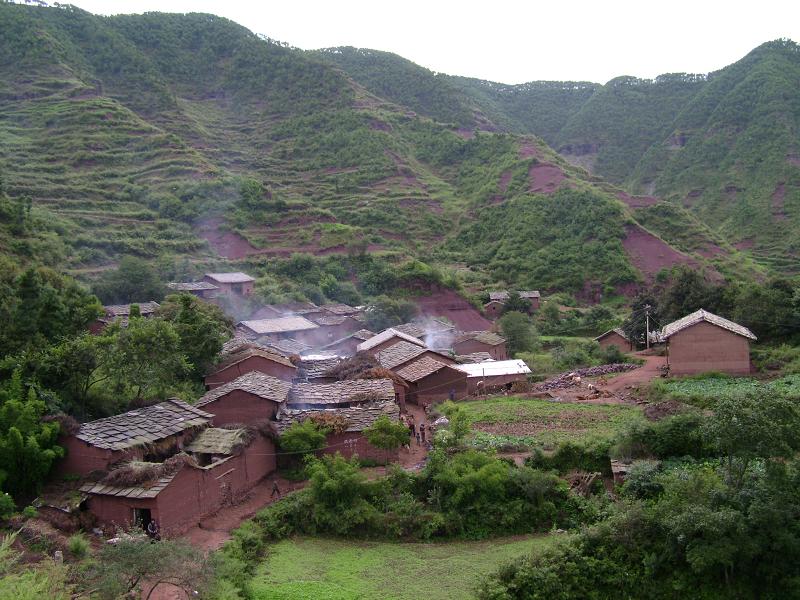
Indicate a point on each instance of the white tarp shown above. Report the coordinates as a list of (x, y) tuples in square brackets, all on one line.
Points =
[(494, 368)]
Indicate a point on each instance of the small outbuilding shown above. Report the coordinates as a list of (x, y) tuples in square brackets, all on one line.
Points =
[(431, 380), (294, 327), (494, 375), (469, 342), (250, 358), (385, 339), (702, 342), (251, 398), (615, 337), (201, 289), (497, 302), (238, 283)]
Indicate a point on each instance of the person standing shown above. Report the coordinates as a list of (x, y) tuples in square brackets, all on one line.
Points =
[(153, 531), (422, 431), (275, 490)]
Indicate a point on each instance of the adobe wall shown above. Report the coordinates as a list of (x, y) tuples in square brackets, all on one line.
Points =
[(492, 383), (354, 442), (436, 387), (238, 406), (82, 458), (705, 347), (493, 309), (497, 352), (252, 363), (615, 339)]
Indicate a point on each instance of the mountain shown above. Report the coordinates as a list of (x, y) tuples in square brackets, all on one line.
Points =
[(187, 136)]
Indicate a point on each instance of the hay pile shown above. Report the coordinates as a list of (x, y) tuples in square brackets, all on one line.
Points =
[(352, 368), (144, 474)]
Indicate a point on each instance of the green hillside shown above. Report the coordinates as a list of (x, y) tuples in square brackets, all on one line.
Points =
[(188, 137)]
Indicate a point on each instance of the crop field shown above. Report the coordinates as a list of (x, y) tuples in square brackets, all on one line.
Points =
[(514, 421), (706, 390), (324, 569)]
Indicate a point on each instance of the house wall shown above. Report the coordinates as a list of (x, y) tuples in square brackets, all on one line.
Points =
[(82, 458), (436, 387), (228, 289), (238, 406), (354, 442), (194, 493), (492, 383), (493, 309), (705, 347), (252, 363), (497, 352), (615, 339)]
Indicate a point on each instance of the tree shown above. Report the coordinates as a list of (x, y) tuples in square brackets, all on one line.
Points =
[(635, 325), (687, 292), (134, 280), (28, 446), (386, 434), (302, 437), (385, 312), (516, 303), (138, 565), (201, 326), (146, 355), (516, 328)]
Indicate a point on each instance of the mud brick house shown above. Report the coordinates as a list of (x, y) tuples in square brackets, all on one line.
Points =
[(385, 339), (288, 347), (468, 342), (343, 310), (217, 468), (615, 337), (703, 342), (251, 398), (141, 434), (250, 358), (493, 375), (344, 394), (120, 313), (273, 330), (431, 380), (497, 301), (347, 345), (334, 327), (434, 332), (237, 283), (315, 368), (404, 352), (201, 289)]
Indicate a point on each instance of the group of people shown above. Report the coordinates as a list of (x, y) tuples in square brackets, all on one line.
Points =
[(422, 433)]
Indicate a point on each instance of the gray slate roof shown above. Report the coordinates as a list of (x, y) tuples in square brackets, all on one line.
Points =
[(314, 369), (340, 309), (258, 384), (340, 392), (619, 331), (191, 286), (151, 491), (235, 277), (124, 310), (502, 295), (473, 357), (289, 347), (245, 351), (358, 417), (328, 320), (279, 325), (399, 353), (385, 335), (419, 369), (143, 425), (360, 335), (485, 337), (700, 316)]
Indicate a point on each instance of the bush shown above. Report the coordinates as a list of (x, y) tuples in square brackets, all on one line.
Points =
[(78, 545), (7, 506), (641, 482), (570, 456), (676, 436), (29, 512)]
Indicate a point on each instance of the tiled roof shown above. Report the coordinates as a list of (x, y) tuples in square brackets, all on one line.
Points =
[(340, 309), (341, 392), (316, 368), (619, 331), (502, 295), (329, 320), (124, 310), (702, 315), (473, 357), (143, 425), (191, 286), (258, 384), (151, 491), (495, 368), (419, 329), (386, 335), (358, 417), (248, 351), (419, 369), (239, 342), (214, 440), (485, 337), (360, 335), (279, 325), (290, 308), (236, 277), (399, 353), (289, 347)]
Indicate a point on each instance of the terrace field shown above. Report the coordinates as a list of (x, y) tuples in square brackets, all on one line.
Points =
[(705, 390), (325, 569), (528, 422)]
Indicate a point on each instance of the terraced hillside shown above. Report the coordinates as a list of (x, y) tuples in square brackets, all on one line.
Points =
[(186, 135)]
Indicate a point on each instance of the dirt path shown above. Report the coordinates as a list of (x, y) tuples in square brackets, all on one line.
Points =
[(650, 370)]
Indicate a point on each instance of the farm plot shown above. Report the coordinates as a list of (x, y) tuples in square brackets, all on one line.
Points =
[(503, 422), (705, 390)]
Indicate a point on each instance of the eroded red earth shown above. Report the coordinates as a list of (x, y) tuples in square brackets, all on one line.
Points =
[(448, 304)]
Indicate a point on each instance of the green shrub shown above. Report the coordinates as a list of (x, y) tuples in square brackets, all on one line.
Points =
[(640, 481), (78, 545), (7, 506), (29, 512), (569, 456)]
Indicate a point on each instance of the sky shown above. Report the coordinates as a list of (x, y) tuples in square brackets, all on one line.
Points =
[(514, 41)]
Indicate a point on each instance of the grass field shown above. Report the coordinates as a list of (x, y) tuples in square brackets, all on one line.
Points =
[(530, 422), (705, 390), (323, 569)]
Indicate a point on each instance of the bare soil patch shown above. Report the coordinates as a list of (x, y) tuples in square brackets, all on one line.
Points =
[(545, 178), (650, 254), (448, 304), (637, 201), (226, 243), (528, 150), (505, 179)]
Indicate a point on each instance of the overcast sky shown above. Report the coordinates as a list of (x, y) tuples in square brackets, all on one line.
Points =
[(514, 41)]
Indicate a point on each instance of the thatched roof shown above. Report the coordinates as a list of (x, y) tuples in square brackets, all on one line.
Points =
[(216, 440)]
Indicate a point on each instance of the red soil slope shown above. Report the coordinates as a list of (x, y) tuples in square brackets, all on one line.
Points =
[(650, 254), (545, 178), (448, 304)]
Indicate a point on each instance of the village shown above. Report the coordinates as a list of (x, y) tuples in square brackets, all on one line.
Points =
[(173, 465)]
